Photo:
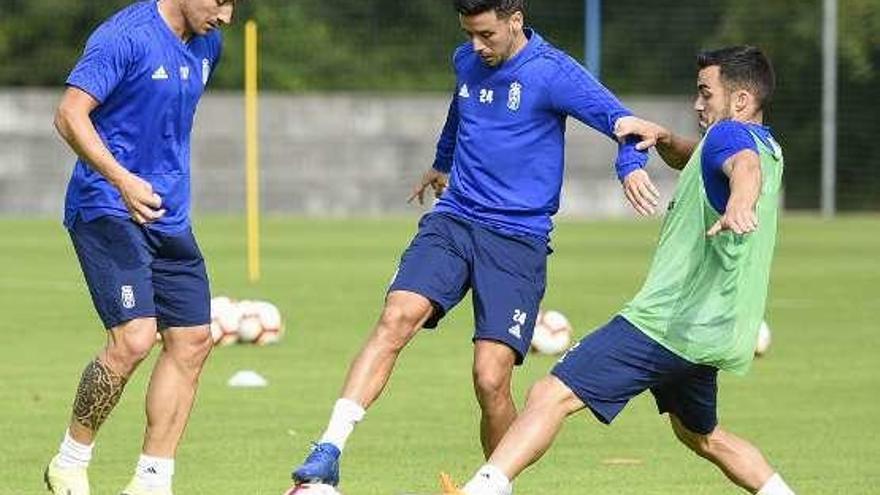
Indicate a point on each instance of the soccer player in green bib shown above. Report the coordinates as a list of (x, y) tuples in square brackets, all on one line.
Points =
[(703, 301)]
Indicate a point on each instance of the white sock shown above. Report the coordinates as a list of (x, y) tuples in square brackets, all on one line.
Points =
[(72, 454), (346, 414), (775, 486), (489, 480), (154, 472)]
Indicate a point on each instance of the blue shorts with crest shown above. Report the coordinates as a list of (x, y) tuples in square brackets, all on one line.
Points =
[(133, 271), (507, 274)]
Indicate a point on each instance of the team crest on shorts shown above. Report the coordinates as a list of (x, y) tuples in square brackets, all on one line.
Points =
[(127, 296), (514, 96)]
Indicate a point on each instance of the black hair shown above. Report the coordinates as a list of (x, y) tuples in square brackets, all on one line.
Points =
[(502, 8), (743, 67)]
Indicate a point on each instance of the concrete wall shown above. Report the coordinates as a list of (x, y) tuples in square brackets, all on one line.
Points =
[(321, 155)]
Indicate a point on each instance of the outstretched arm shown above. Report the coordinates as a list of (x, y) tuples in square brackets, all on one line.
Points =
[(577, 93), (674, 149)]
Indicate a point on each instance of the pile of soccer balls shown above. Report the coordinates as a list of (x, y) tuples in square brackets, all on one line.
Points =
[(245, 321), (553, 333)]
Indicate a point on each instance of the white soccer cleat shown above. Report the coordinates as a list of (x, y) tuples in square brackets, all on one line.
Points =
[(66, 481)]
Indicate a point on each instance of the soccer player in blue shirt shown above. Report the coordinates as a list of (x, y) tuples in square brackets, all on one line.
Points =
[(127, 113), (503, 146)]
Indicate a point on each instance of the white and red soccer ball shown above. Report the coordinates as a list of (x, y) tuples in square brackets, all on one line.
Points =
[(553, 333), (225, 318), (257, 322)]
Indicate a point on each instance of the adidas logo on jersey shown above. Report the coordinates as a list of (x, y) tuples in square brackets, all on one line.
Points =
[(160, 73), (464, 93), (516, 331)]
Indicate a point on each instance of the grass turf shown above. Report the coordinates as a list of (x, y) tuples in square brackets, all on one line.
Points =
[(812, 404)]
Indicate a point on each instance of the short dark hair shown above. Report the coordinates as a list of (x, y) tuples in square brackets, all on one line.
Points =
[(743, 67), (502, 8)]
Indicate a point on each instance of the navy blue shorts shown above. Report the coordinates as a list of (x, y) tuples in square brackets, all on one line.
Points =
[(507, 273), (617, 362), (135, 272)]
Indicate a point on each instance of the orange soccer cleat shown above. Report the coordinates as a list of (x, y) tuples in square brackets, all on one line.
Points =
[(448, 486)]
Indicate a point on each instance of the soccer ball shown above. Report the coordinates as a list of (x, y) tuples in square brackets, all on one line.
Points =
[(552, 333), (249, 326), (261, 323), (225, 320), (313, 489), (270, 321), (763, 344)]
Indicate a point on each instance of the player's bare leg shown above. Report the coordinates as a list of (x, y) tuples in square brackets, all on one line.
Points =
[(531, 434), (99, 390), (170, 398), (403, 315), (104, 378), (548, 404), (493, 367), (738, 459), (173, 386)]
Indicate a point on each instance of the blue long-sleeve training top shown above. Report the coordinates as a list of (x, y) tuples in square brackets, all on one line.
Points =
[(504, 137)]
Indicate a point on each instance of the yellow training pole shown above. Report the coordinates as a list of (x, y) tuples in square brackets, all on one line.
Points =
[(252, 165)]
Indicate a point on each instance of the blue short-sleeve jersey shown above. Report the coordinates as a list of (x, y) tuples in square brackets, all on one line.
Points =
[(504, 138), (147, 82), (723, 140)]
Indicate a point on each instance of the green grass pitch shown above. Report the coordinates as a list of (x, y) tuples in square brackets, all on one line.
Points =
[(812, 404)]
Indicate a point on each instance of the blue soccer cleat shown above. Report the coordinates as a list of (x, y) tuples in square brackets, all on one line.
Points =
[(321, 466)]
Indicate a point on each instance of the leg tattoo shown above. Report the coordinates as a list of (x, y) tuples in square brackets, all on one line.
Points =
[(99, 390)]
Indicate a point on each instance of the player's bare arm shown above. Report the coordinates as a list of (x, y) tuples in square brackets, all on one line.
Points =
[(74, 125), (432, 178), (674, 149), (744, 171)]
